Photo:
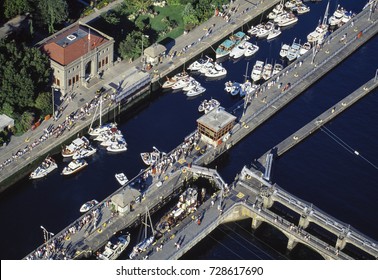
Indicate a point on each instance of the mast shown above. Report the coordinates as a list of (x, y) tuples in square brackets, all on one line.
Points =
[(100, 111), (325, 15)]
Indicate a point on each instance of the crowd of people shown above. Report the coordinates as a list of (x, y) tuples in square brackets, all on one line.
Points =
[(57, 129)]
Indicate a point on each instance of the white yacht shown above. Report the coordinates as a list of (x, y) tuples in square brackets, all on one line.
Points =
[(276, 31), (117, 147), (45, 168), (293, 51), (267, 71), (251, 50), (263, 32), (287, 20), (121, 178), (114, 248), (88, 205), (180, 84), (284, 49), (84, 152), (192, 84), (196, 91), (336, 17), (74, 166), (150, 158), (257, 70), (78, 143), (239, 50), (302, 9), (198, 64), (305, 48), (317, 36), (277, 68)]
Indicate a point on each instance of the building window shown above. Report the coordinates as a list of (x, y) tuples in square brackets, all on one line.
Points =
[(99, 64), (58, 82), (69, 82), (77, 78), (106, 60), (103, 62)]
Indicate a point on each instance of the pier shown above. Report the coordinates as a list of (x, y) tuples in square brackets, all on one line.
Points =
[(244, 198)]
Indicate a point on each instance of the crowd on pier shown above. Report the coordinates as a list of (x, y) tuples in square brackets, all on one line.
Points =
[(57, 130)]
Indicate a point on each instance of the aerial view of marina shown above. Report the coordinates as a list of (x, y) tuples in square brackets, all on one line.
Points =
[(189, 130)]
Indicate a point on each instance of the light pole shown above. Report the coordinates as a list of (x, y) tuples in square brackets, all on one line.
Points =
[(46, 234), (143, 49), (53, 104)]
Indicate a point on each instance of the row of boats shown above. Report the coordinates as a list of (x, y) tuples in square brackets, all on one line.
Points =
[(265, 71), (295, 50)]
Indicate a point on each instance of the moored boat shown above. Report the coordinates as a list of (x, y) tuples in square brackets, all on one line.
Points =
[(84, 152), (114, 247), (44, 168), (251, 50), (68, 151), (74, 166), (88, 205), (121, 178), (284, 49), (257, 70), (196, 91), (117, 147)]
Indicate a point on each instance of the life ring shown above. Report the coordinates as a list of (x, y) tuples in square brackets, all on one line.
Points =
[(68, 237), (166, 177), (99, 230), (198, 148), (104, 225), (248, 176), (202, 151), (184, 170), (246, 126)]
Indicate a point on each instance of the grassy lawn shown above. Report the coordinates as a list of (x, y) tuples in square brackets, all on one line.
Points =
[(173, 13)]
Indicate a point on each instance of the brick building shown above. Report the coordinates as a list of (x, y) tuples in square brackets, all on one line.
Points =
[(78, 54)]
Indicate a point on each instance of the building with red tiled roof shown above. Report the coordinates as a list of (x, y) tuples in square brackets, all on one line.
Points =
[(78, 54)]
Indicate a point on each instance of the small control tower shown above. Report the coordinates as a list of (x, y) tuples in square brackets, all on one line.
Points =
[(215, 125)]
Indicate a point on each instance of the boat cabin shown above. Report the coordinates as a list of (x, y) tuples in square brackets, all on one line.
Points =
[(215, 126), (124, 200)]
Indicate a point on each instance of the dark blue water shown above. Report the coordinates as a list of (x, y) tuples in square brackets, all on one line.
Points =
[(318, 170)]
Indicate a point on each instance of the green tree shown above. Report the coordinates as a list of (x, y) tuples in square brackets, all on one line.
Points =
[(131, 47), (52, 12), (44, 103), (111, 18), (25, 122), (140, 5), (13, 8)]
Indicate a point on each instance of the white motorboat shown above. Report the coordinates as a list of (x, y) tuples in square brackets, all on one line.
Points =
[(180, 84), (196, 91), (254, 29), (267, 71), (45, 168), (277, 68), (121, 178), (251, 50), (293, 51), (239, 50), (213, 73), (302, 9), (169, 83), (150, 158), (336, 17), (68, 151), (292, 3), (201, 107), (305, 48), (346, 17), (198, 64), (117, 148), (284, 49), (211, 105), (274, 33), (88, 205), (84, 152), (287, 20), (192, 84), (263, 32), (114, 132), (113, 140), (98, 130), (257, 70), (74, 166), (114, 247)]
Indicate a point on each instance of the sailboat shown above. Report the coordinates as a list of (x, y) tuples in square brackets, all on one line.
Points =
[(147, 240), (317, 36), (101, 128)]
